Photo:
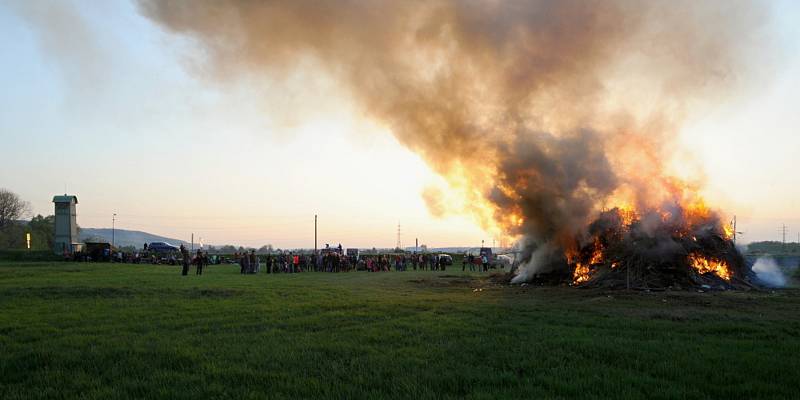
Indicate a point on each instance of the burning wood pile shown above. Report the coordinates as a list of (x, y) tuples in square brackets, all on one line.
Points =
[(656, 250)]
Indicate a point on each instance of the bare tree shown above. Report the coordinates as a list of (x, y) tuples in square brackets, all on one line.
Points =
[(12, 208)]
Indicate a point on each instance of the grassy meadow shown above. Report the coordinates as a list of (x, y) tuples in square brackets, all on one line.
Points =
[(103, 331)]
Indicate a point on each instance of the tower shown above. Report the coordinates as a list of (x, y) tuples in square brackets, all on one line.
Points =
[(399, 244), (66, 226)]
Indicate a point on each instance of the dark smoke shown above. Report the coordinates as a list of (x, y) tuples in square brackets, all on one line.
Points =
[(547, 110)]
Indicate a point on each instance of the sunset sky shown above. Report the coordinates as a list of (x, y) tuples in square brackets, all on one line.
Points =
[(99, 100)]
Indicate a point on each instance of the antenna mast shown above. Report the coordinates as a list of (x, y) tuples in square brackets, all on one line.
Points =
[(398, 236)]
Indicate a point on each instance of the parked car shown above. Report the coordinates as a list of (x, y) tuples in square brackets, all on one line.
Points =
[(161, 247)]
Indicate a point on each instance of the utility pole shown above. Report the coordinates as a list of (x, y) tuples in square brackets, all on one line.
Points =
[(398, 236), (734, 230), (113, 222), (784, 235), (416, 245), (192, 241)]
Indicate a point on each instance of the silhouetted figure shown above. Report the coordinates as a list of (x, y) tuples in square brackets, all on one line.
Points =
[(245, 263), (185, 256), (199, 261), (253, 260)]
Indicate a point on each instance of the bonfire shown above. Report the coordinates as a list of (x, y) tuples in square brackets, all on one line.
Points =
[(680, 248)]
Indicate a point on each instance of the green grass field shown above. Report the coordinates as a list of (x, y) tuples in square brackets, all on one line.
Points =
[(112, 331)]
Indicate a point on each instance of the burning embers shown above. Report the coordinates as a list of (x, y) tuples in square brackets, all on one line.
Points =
[(656, 249)]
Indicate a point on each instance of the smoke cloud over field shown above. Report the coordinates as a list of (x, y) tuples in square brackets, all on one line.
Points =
[(769, 273), (538, 113)]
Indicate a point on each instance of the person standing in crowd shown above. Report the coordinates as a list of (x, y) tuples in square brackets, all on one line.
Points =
[(251, 262), (185, 256), (485, 261), (199, 261), (244, 261)]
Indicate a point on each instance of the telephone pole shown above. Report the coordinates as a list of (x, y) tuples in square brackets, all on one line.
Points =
[(398, 236), (784, 237), (315, 234)]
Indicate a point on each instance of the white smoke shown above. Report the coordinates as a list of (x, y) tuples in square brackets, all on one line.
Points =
[(768, 272), (535, 264)]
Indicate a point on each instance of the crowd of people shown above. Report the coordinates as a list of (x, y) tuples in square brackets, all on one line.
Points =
[(292, 262), (475, 262), (402, 262), (330, 259)]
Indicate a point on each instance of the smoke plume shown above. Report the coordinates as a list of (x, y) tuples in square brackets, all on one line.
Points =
[(539, 113), (769, 273)]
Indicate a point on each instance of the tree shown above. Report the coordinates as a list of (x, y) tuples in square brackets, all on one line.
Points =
[(42, 230), (12, 236), (12, 208)]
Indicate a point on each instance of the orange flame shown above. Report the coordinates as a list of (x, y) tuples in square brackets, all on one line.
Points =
[(727, 231), (597, 255), (705, 265), (581, 274)]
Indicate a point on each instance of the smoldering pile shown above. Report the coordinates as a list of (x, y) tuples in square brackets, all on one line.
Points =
[(654, 251)]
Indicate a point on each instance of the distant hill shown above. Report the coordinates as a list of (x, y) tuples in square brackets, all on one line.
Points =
[(123, 237)]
